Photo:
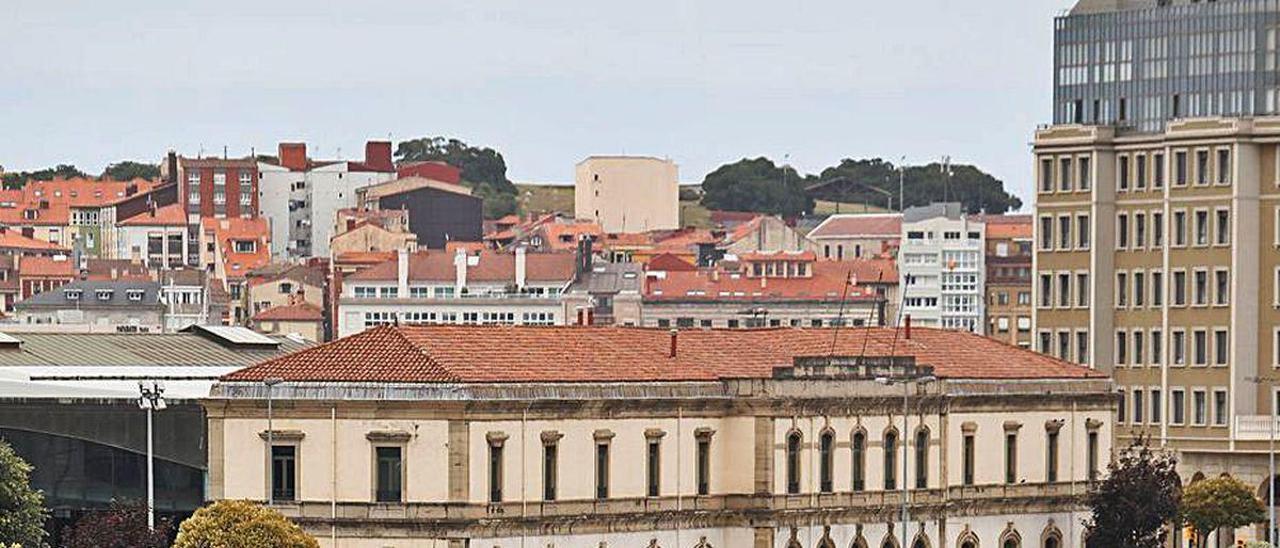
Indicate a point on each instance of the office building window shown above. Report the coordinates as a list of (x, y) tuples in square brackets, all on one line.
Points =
[(1139, 289), (1122, 348), (1064, 232), (1064, 290), (1082, 231), (1122, 231), (1140, 164), (1046, 174), (1139, 347), (390, 471), (495, 471), (1122, 289), (1202, 167), (1221, 346), (1222, 227), (1157, 405), (1178, 347), (1157, 347), (1082, 347), (1139, 406), (1222, 287), (1157, 170), (1046, 233), (1179, 288), (1092, 449), (1064, 174), (1179, 168), (1200, 347), (1180, 228), (1121, 409), (1200, 288), (1082, 289), (1157, 229), (1122, 173), (1046, 290), (1202, 227), (1224, 166), (1139, 230), (284, 472), (1199, 408), (1220, 413), (1086, 173), (1157, 288), (1177, 406)]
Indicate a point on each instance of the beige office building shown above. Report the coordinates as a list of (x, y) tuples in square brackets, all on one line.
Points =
[(582, 437), (1158, 260), (627, 193)]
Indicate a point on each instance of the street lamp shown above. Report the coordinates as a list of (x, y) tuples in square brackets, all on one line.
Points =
[(151, 398), (271, 445), (906, 413), (1271, 461)]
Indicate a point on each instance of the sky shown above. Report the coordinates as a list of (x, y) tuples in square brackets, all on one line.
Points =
[(703, 82)]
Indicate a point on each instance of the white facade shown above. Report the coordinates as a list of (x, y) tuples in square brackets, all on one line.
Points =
[(302, 205), (941, 266), (137, 242)]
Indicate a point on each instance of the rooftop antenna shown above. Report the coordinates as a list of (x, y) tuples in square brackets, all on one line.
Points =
[(224, 152), (844, 294)]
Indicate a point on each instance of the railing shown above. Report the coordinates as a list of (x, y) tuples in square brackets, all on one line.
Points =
[(1256, 427)]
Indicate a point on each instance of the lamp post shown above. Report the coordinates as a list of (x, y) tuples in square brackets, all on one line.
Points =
[(1271, 461), (151, 398), (906, 414), (271, 442)]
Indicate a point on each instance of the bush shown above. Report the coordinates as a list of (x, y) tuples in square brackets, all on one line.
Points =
[(21, 508), (123, 525), (241, 524)]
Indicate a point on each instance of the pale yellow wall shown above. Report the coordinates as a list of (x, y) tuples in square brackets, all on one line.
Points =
[(627, 194), (372, 238), (309, 330)]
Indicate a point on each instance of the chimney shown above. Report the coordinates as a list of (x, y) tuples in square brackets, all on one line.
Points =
[(520, 267), (582, 315), (171, 174), (402, 273), (674, 335), (460, 271), (591, 316), (907, 324), (377, 156), (293, 156)]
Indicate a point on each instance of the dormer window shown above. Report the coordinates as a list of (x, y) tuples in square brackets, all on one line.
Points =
[(72, 294), (135, 294), (246, 246), (31, 214), (104, 294)]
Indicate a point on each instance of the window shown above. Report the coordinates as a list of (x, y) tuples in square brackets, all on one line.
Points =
[(1122, 409), (1221, 347), (1064, 174), (793, 463), (1179, 228), (550, 470), (1157, 288), (1180, 168), (1157, 229), (1222, 287), (1202, 167), (1064, 232), (1051, 460), (1046, 290), (1178, 347), (1122, 348), (1139, 230), (284, 472), (1122, 231), (859, 461), (1200, 288), (1082, 347), (890, 461), (970, 455), (1156, 406), (1220, 408), (1046, 174), (922, 459), (1224, 166), (1064, 345), (1122, 173), (1082, 289), (1045, 342), (1222, 227), (1082, 231), (653, 468), (1157, 170), (1157, 347), (1139, 289), (1139, 346), (389, 474), (1200, 347), (1140, 163), (826, 459), (1086, 173), (704, 465), (1122, 289), (1177, 406), (602, 470), (495, 471), (1046, 233), (1093, 455), (1011, 457), (1179, 288), (1199, 408), (1202, 227), (1064, 289)]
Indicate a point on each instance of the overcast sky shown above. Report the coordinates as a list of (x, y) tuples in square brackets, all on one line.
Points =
[(547, 83)]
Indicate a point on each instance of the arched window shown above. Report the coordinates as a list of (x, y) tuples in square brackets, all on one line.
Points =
[(919, 543), (1051, 542), (890, 460), (968, 544), (793, 462), (859, 460), (922, 459), (826, 450), (1010, 543)]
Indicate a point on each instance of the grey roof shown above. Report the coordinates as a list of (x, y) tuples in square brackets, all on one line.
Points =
[(610, 278), (950, 210), (196, 348), (64, 297)]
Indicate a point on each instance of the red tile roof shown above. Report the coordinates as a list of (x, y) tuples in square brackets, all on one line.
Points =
[(489, 354), (878, 225), (302, 312), (668, 262), (14, 240), (59, 266), (227, 231), (170, 215), (491, 267), (715, 284), (1006, 227)]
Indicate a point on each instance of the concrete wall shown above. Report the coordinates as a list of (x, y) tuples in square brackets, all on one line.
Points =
[(627, 194)]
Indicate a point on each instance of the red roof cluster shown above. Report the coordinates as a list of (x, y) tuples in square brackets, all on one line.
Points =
[(226, 232), (490, 266), (827, 283), (876, 225), (510, 354), (300, 312)]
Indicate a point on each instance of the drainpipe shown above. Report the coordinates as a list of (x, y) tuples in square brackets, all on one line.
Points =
[(333, 489)]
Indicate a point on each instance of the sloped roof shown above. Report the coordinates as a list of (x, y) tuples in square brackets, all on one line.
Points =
[(827, 284), (878, 225), (501, 354), (170, 215), (13, 239), (88, 296), (301, 312), (59, 266), (491, 267)]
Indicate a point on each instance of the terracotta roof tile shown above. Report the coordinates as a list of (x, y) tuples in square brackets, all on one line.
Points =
[(486, 354), (51, 267), (301, 312), (13, 239), (491, 267), (170, 215), (879, 225), (714, 284)]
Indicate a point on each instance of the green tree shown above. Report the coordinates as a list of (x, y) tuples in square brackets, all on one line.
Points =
[(1138, 498), (756, 185), (241, 524), (483, 169), (22, 510), (128, 170), (61, 171), (122, 525), (922, 185), (1211, 504)]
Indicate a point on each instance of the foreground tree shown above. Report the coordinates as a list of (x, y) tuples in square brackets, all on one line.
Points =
[(1138, 498), (1211, 504), (756, 185), (21, 509), (241, 524), (129, 170), (483, 169), (122, 525)]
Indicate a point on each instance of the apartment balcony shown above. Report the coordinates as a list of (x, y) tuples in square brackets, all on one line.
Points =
[(1256, 427)]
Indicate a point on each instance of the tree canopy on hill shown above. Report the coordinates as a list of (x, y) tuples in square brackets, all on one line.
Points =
[(61, 171), (128, 170), (483, 169), (756, 185), (760, 185)]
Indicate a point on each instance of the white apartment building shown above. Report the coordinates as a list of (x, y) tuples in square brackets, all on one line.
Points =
[(438, 288), (941, 267), (302, 197), (627, 193)]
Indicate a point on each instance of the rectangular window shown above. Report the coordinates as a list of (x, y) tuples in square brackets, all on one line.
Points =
[(550, 470), (1202, 227), (704, 467), (1221, 347), (1222, 227), (1200, 347), (1082, 231), (1177, 406), (1046, 233), (1045, 342), (1157, 229), (1046, 290), (1011, 457), (1200, 288), (1086, 173), (1224, 166), (1220, 413), (1140, 163), (602, 471), (1222, 287), (1082, 289), (1122, 347), (1064, 174), (1179, 347), (495, 473), (1064, 290), (1046, 174), (284, 472), (1064, 232), (1157, 170), (1122, 173), (1157, 347), (653, 463), (1156, 406), (1122, 409), (1179, 288), (1179, 168), (1139, 289), (1122, 289), (1139, 230), (1082, 347), (1122, 231), (1139, 406), (1064, 345), (1202, 167), (970, 456), (1180, 228), (389, 474), (1051, 458), (1092, 458), (1199, 408), (1139, 346)]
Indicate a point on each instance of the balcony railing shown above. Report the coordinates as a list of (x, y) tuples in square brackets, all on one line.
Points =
[(1256, 427)]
